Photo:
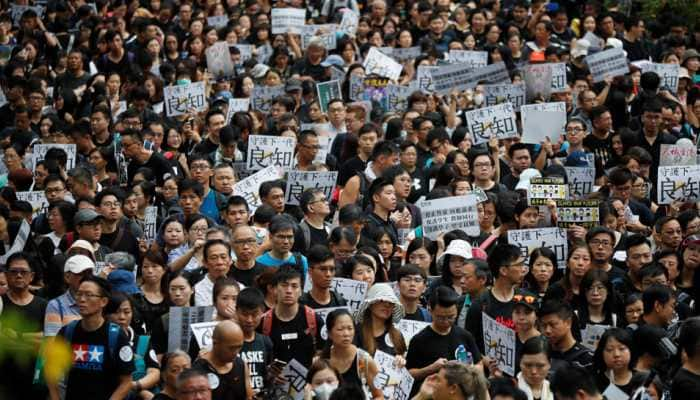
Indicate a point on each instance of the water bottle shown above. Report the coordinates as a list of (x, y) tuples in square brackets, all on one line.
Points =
[(463, 355)]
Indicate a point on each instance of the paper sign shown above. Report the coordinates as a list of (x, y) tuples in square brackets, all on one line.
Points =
[(149, 224), (295, 375), (322, 313), (494, 121), (39, 153), (19, 242), (678, 183), (492, 73), (288, 20), (409, 328), (395, 383), (667, 72), (357, 87), (542, 190), (300, 181), (324, 143), (326, 92), (219, 60), (538, 81), (530, 239), (499, 344), (324, 32), (505, 92), (542, 120), (474, 59), (558, 77), (379, 64), (236, 105), (37, 199), (264, 151), (246, 51), (607, 63), (591, 335), (249, 187), (458, 77), (446, 214), (262, 96), (180, 99), (424, 78), (203, 332), (352, 291), (375, 91), (673, 154), (349, 22), (580, 181), (179, 332), (217, 21), (398, 97), (402, 54), (577, 212)]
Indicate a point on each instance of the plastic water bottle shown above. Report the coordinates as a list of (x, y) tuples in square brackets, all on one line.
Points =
[(463, 355)]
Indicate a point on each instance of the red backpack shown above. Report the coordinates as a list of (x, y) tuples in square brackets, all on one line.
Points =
[(312, 328)]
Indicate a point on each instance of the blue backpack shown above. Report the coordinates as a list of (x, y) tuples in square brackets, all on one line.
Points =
[(112, 335)]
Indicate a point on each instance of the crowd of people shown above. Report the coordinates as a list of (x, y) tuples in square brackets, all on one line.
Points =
[(124, 225)]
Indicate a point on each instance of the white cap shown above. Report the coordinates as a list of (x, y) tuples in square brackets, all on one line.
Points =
[(580, 48), (78, 264), (459, 248), (525, 176)]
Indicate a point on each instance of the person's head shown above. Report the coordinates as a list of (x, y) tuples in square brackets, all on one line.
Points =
[(237, 211), (92, 296), (543, 263), (638, 250), (579, 260), (321, 266), (343, 243), (421, 252), (476, 276), (225, 295), (353, 217), (602, 243), (615, 351), (520, 157), (482, 166), (244, 242), (227, 341), (54, 188), (659, 305), (341, 328), (20, 272), (526, 215), (412, 281), (171, 365), (323, 378), (668, 233), (634, 307), (360, 268), (507, 264), (250, 306), (179, 290), (282, 233), (534, 361), (443, 307), (598, 289), (653, 274), (193, 383), (196, 226), (272, 193), (689, 338), (651, 117), (456, 381), (574, 383), (120, 310), (671, 261), (217, 258), (314, 203), (191, 193), (224, 179), (288, 285), (555, 319)]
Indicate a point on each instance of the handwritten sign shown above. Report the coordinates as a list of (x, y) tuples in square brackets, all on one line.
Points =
[(607, 64), (504, 93), (409, 328), (179, 332), (352, 291), (324, 32), (300, 181), (474, 59), (295, 375), (37, 199), (288, 20), (203, 333), (494, 121), (673, 154), (530, 239), (349, 22), (542, 190), (39, 153), (580, 181), (543, 120), (236, 105), (499, 344), (678, 183), (457, 77), (446, 214), (249, 187), (219, 60), (382, 65), (264, 151), (180, 99), (262, 96), (668, 73), (577, 212), (395, 383)]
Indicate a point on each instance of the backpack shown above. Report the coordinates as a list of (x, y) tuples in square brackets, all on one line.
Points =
[(112, 335), (312, 328), (140, 357)]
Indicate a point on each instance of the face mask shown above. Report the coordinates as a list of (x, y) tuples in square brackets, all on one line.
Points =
[(478, 99), (323, 392), (183, 81)]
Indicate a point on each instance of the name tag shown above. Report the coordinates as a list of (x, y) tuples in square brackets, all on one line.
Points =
[(290, 336)]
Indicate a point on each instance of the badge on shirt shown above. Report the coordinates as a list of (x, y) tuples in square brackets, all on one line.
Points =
[(290, 336)]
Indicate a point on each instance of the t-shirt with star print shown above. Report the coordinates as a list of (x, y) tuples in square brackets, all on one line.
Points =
[(96, 371)]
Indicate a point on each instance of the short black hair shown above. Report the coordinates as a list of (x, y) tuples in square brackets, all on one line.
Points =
[(250, 298), (656, 294), (568, 381), (562, 309), (443, 296), (237, 200), (102, 283), (286, 272), (317, 254), (410, 269), (350, 213), (190, 184), (112, 191), (598, 230), (689, 337), (267, 186), (636, 240), (377, 186), (502, 254)]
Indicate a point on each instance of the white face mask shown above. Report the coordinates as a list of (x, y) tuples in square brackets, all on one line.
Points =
[(323, 392), (478, 99)]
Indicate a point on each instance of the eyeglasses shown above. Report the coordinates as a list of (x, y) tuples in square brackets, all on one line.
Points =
[(243, 242), (575, 130), (199, 167), (604, 243), (445, 318), (526, 298), (14, 271), (415, 279), (80, 295), (198, 230), (110, 204)]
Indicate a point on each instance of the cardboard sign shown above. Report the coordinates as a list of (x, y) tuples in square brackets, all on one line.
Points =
[(607, 63), (300, 181), (678, 183), (288, 20), (39, 153), (673, 154), (295, 375), (397, 97), (179, 332), (494, 121), (446, 214), (577, 212), (249, 187), (499, 344), (352, 291), (262, 96), (203, 332), (324, 32), (219, 60), (326, 92), (474, 59), (382, 65), (580, 181), (409, 328), (543, 120), (530, 239), (37, 199), (542, 190), (180, 99), (505, 93), (264, 151)]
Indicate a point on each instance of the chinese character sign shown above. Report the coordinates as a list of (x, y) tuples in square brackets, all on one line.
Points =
[(409, 329), (474, 59), (326, 92), (450, 213), (37, 199), (288, 20), (382, 65), (300, 181), (542, 190), (505, 92), (607, 64), (262, 97), (324, 32), (149, 224), (673, 154), (264, 151), (577, 212), (295, 375), (494, 121), (180, 99), (530, 239), (581, 181), (352, 291), (678, 183), (499, 344), (39, 153), (395, 383), (397, 97), (248, 188)]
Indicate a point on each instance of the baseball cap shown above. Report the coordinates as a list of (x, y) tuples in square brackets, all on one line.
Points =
[(292, 85), (333, 60), (78, 264), (580, 48), (527, 299), (85, 215)]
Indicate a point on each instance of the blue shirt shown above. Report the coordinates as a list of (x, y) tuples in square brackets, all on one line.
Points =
[(269, 261), (208, 206)]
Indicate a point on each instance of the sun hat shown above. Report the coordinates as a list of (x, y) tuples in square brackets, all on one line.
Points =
[(380, 292), (459, 248)]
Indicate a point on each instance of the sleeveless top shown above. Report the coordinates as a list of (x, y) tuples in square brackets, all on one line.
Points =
[(230, 385)]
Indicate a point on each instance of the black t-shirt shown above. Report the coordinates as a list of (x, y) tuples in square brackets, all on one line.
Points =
[(230, 385), (382, 342), (206, 147), (577, 355), (246, 276), (258, 355), (318, 236), (32, 314), (291, 339), (501, 312), (127, 242), (349, 169), (420, 315), (427, 346), (601, 149), (148, 311), (336, 301), (686, 385), (304, 68), (97, 368), (156, 163)]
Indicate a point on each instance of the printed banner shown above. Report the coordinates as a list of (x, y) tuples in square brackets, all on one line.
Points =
[(288, 20), (299, 181), (446, 214), (326, 92), (577, 212), (542, 190), (530, 239), (494, 121)]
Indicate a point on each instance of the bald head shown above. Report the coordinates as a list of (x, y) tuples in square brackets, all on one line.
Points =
[(227, 340)]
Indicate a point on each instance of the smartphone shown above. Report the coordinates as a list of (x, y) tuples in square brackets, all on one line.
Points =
[(279, 363)]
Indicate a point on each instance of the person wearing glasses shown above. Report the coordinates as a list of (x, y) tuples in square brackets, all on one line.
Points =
[(140, 157), (212, 201), (193, 383), (412, 282), (321, 272), (307, 149), (115, 234), (602, 240), (314, 204), (245, 245), (102, 359)]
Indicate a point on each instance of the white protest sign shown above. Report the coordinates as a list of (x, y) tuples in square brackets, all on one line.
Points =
[(324, 143), (249, 187), (459, 77), (325, 32), (262, 96), (607, 64), (558, 76), (246, 51), (236, 105), (424, 77), (219, 60), (203, 332), (39, 153), (678, 183), (180, 99), (494, 121), (352, 291), (499, 344), (264, 151), (673, 154), (349, 22), (667, 72), (288, 20), (300, 181), (492, 73), (402, 54), (449, 213), (474, 59), (529, 239), (149, 224), (580, 181), (394, 383), (382, 65), (542, 120), (217, 21), (538, 81), (295, 375), (505, 92), (179, 332), (322, 313), (409, 328), (398, 97), (37, 199), (19, 242), (541, 190), (591, 334)]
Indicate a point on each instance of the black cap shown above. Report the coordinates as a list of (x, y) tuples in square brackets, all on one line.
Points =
[(528, 299)]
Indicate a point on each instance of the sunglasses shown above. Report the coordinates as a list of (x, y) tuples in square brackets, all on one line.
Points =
[(526, 298)]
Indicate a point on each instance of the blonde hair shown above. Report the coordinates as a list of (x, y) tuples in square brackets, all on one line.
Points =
[(470, 381)]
